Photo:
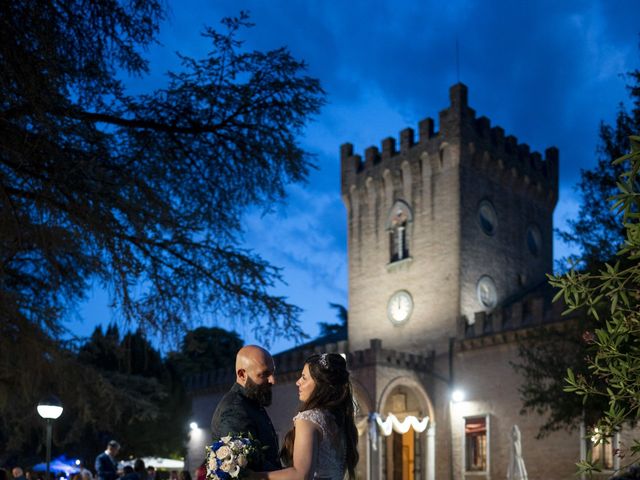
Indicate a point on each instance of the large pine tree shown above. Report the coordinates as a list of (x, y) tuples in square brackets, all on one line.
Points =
[(141, 194)]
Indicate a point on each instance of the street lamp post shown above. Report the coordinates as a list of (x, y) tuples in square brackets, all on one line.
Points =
[(49, 408)]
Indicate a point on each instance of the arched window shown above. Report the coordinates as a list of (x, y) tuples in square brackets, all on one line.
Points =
[(397, 226)]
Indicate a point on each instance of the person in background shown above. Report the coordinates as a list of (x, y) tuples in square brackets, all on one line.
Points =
[(3, 474), (140, 469), (85, 473), (128, 473), (184, 475), (106, 463), (151, 472), (173, 475), (18, 473)]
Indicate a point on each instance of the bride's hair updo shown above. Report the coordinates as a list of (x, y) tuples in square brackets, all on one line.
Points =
[(333, 388), (332, 392)]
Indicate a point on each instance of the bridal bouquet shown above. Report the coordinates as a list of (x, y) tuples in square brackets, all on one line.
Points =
[(228, 457)]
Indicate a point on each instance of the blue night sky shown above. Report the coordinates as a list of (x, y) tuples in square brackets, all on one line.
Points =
[(546, 71)]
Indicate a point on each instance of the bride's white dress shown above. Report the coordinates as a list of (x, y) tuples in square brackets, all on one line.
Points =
[(332, 454)]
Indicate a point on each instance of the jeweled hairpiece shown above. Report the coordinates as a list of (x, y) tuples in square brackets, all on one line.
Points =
[(324, 361)]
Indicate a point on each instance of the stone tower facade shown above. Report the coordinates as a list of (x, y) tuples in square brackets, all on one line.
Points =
[(452, 223)]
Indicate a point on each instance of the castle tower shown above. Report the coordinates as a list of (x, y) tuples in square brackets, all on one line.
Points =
[(452, 223)]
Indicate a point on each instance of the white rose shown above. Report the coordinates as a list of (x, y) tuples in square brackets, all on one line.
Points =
[(226, 466), (213, 463), (223, 452), (242, 460)]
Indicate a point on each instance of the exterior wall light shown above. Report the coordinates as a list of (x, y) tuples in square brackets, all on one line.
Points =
[(457, 395)]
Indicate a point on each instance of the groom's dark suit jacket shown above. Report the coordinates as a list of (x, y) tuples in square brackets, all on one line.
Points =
[(236, 414)]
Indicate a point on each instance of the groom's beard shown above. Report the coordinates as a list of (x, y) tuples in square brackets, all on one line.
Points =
[(258, 393)]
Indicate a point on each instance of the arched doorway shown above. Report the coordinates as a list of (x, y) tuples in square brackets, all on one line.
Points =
[(407, 454), (401, 455)]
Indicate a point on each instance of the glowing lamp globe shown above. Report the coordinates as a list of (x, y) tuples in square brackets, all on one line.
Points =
[(50, 407)]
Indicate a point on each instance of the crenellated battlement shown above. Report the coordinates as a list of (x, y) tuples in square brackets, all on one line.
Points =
[(353, 164), (493, 150), (526, 313), (376, 355), (478, 144)]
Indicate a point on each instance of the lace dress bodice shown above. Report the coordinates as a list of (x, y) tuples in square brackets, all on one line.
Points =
[(331, 463)]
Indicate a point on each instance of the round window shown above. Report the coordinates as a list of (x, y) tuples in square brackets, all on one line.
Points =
[(487, 217), (486, 291), (534, 240)]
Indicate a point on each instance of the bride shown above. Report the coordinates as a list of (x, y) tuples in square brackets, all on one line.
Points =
[(323, 441)]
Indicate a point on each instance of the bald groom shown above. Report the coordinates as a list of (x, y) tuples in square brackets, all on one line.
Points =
[(241, 410)]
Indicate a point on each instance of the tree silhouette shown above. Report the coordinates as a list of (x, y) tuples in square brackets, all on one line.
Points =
[(141, 194)]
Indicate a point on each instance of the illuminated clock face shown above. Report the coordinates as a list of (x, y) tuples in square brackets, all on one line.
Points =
[(400, 307), (487, 292)]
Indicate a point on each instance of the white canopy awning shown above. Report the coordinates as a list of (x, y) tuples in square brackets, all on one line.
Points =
[(158, 463)]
